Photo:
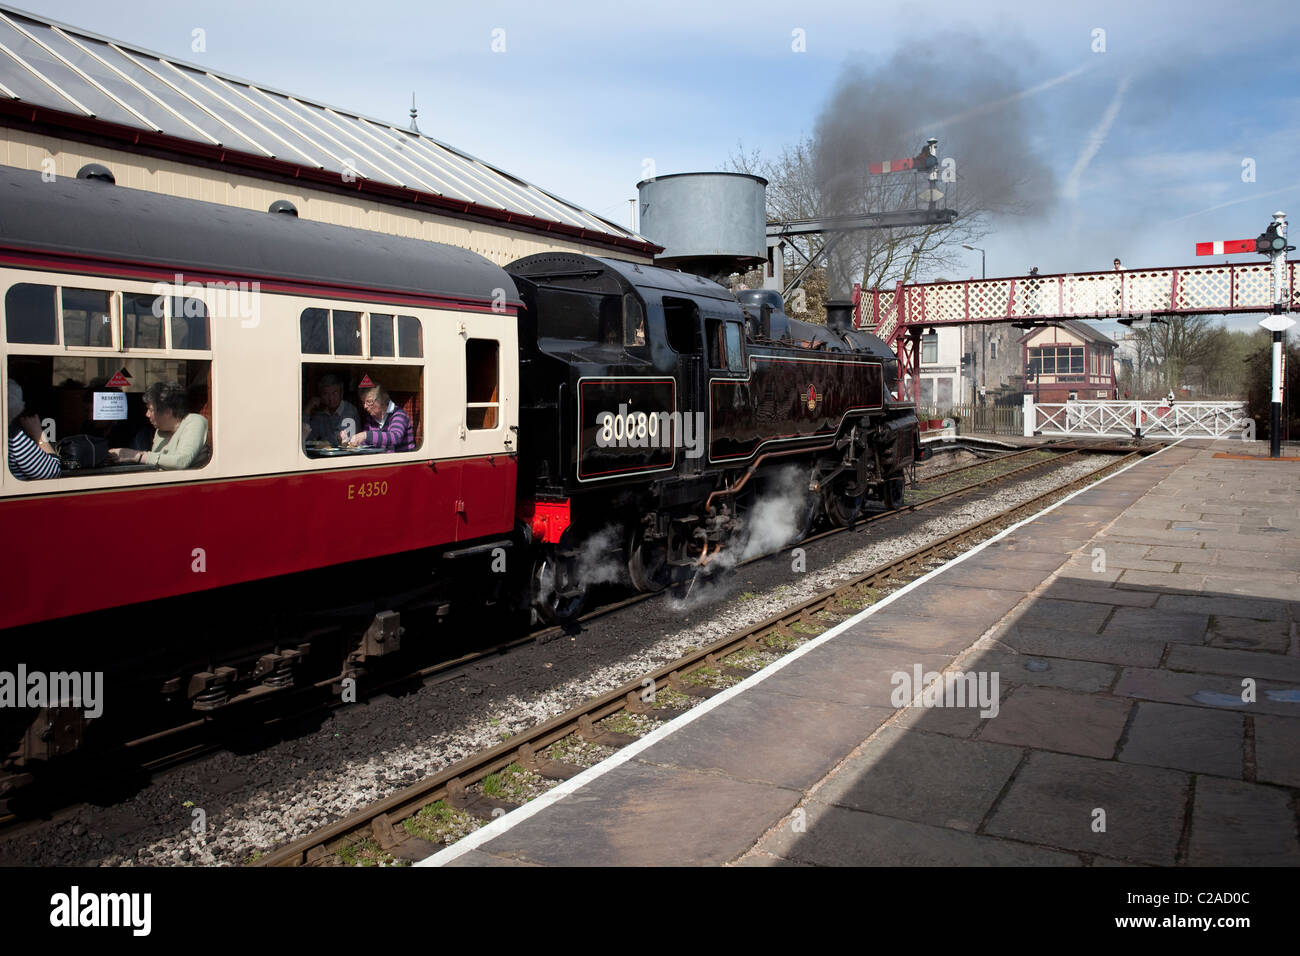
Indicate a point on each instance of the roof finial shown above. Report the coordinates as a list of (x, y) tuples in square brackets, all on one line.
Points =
[(414, 127)]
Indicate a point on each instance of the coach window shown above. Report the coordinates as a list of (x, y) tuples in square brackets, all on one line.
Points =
[(141, 327), (80, 399), (381, 335), (410, 337), (482, 382), (347, 332), (87, 318), (189, 324), (30, 312), (315, 331)]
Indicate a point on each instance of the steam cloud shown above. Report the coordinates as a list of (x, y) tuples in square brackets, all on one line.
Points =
[(775, 521)]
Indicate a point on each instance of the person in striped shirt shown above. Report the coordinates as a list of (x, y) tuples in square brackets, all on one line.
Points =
[(387, 426), (30, 453)]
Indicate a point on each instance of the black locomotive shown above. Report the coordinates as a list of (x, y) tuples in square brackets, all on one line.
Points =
[(657, 410)]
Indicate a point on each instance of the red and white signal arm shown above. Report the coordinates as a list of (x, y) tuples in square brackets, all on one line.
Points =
[(1225, 247)]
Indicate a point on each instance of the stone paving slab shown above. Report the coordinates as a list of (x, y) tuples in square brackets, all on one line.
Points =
[(1254, 609), (1157, 624), (856, 674), (1075, 589), (1121, 738), (1212, 660), (1239, 824), (642, 815), (1204, 690), (1185, 738), (769, 737), (1055, 798), (835, 836), (1277, 750), (1047, 718), (1236, 632), (928, 778), (1079, 646), (1047, 612)]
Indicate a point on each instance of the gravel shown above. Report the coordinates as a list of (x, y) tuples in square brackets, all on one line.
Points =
[(225, 808)]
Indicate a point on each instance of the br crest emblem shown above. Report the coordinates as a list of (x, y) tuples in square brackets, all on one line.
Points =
[(813, 399)]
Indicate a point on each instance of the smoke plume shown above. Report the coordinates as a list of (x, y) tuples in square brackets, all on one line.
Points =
[(950, 86)]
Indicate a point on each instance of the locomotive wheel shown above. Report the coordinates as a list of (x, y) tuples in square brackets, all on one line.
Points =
[(842, 509), (647, 564), (894, 488), (558, 595)]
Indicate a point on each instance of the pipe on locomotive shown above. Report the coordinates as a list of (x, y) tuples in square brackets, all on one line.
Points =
[(744, 479)]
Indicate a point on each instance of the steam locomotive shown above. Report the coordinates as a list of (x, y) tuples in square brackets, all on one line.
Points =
[(563, 406), (657, 409)]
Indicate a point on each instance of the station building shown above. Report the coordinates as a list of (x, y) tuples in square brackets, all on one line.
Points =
[(69, 97)]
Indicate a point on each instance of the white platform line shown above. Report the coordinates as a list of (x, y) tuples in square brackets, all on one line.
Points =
[(512, 819)]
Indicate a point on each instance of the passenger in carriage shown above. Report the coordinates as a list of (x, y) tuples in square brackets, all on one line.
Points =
[(327, 414), (180, 436), (30, 453), (387, 426)]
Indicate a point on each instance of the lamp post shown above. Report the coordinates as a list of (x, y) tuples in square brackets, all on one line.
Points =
[(984, 342)]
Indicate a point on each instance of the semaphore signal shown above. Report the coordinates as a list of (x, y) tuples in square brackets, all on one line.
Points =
[(1272, 243), (1225, 247)]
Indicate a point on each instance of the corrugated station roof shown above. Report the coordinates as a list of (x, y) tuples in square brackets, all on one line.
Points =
[(96, 82)]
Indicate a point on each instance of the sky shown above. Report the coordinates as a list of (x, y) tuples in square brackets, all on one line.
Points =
[(1162, 123)]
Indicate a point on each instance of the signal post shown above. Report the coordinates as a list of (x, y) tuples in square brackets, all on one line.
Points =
[(1272, 243)]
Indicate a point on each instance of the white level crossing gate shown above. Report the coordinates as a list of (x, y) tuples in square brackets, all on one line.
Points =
[(1133, 419)]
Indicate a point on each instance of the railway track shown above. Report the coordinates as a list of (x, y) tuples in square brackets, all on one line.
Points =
[(175, 746), (459, 788)]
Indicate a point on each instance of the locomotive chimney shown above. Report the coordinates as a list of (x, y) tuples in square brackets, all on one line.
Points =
[(839, 315)]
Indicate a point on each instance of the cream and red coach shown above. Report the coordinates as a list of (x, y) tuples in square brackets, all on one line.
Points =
[(255, 308)]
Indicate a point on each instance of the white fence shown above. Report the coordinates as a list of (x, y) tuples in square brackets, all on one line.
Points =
[(1131, 419)]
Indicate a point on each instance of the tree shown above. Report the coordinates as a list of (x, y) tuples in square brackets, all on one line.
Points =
[(1174, 345)]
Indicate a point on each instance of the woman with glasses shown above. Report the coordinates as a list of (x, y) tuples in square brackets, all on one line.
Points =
[(387, 426)]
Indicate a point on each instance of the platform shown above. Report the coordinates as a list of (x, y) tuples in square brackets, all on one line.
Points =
[(1143, 637)]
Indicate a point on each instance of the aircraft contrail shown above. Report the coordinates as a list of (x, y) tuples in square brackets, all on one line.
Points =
[(1234, 202), (997, 104), (1096, 139)]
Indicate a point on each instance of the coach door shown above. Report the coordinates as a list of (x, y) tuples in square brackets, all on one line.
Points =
[(488, 434)]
